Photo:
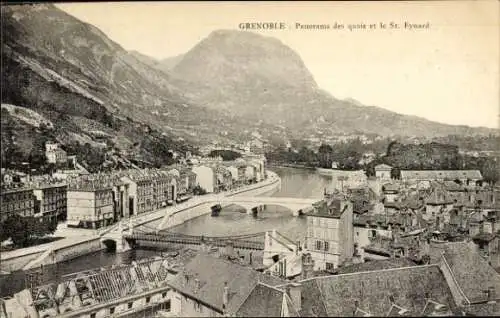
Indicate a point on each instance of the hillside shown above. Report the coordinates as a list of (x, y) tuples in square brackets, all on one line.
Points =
[(71, 73), (261, 78), (169, 63)]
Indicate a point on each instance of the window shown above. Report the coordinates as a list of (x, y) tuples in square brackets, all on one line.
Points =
[(163, 295), (319, 245), (148, 299), (329, 266), (92, 315), (373, 233), (130, 305), (327, 246), (111, 310)]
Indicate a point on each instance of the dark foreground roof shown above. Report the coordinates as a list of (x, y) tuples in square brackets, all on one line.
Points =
[(212, 273), (378, 293)]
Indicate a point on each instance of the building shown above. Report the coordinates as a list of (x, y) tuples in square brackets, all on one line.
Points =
[(383, 171), (143, 293), (237, 170), (225, 289), (466, 177), (55, 154), (205, 178), (120, 198), (410, 291), (50, 199), (90, 203), (455, 281), (16, 199), (224, 178), (149, 189), (390, 192), (329, 236)]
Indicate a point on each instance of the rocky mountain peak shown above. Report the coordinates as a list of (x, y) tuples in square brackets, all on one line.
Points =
[(245, 59)]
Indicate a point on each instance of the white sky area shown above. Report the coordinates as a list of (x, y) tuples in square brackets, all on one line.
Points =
[(448, 73)]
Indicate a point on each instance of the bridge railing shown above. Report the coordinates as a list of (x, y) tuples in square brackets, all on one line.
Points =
[(237, 241)]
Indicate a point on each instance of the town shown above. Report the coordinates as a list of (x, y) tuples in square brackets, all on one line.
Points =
[(153, 167), (435, 227)]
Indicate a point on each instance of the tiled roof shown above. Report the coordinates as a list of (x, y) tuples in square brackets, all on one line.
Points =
[(440, 174), (212, 273), (382, 167), (453, 186), (376, 265), (409, 288), (473, 274), (265, 301), (328, 208), (390, 187), (484, 309), (439, 197)]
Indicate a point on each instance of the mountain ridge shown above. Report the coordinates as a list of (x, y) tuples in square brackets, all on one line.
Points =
[(216, 73)]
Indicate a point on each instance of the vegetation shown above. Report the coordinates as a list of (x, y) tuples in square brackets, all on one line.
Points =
[(24, 231), (426, 156), (227, 155), (198, 190)]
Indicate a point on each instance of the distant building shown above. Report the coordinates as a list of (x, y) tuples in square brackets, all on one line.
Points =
[(55, 154), (90, 203), (383, 171), (329, 236), (51, 199), (16, 199), (205, 178), (466, 177)]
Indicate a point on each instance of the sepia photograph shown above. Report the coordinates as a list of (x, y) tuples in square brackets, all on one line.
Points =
[(250, 159)]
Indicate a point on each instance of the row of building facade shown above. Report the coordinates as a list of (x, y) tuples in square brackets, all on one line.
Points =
[(98, 200)]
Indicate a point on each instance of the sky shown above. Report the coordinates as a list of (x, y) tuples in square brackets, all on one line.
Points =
[(448, 72)]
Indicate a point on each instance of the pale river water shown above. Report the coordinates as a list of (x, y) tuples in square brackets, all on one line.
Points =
[(300, 183)]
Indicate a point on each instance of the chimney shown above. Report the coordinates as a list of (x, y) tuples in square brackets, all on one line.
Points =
[(229, 248), (225, 297), (197, 285), (491, 294), (294, 290), (307, 266)]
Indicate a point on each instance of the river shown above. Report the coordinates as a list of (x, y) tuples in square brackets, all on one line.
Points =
[(300, 183)]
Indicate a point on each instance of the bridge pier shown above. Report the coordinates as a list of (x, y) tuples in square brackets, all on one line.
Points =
[(123, 246)]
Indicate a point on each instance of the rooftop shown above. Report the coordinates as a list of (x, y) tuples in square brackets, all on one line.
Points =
[(376, 292), (329, 208), (240, 281), (441, 174), (473, 274)]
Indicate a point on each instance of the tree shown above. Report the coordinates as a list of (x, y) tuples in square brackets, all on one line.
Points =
[(227, 155), (395, 173), (21, 230), (198, 190)]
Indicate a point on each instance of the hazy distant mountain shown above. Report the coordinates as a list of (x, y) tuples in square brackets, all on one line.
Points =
[(148, 60), (170, 62), (261, 78)]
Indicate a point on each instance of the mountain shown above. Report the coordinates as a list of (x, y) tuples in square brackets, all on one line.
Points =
[(263, 79), (170, 62), (72, 74)]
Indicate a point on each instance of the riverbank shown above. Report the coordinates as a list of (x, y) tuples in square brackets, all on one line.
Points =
[(290, 165), (77, 242)]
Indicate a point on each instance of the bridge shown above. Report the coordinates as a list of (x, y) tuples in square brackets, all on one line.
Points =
[(296, 205), (140, 231), (243, 242)]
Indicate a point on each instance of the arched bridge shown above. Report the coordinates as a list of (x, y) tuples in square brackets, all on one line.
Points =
[(249, 203)]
